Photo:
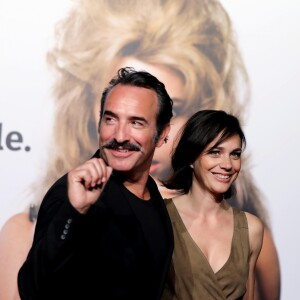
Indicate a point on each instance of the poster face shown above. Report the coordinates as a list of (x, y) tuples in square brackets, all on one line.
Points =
[(266, 35)]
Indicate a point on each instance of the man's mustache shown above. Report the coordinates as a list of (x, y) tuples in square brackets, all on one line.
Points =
[(113, 144)]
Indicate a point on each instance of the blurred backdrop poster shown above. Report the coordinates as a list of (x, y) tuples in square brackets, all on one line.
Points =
[(268, 36)]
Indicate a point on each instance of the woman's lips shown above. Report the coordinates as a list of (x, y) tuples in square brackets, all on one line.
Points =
[(154, 167)]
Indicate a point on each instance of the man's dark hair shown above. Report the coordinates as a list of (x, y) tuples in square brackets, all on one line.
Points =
[(129, 76)]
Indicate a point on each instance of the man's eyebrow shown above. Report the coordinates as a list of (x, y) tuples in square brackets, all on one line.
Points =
[(132, 118), (109, 113), (138, 118)]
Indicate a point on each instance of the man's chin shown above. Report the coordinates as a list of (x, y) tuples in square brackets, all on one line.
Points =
[(118, 168)]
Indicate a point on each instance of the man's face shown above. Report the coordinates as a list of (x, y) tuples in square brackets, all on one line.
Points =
[(161, 166), (128, 127)]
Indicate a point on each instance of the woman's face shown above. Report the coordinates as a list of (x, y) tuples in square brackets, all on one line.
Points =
[(218, 166), (161, 161)]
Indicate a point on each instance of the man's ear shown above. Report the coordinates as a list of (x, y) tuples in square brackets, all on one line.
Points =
[(164, 136)]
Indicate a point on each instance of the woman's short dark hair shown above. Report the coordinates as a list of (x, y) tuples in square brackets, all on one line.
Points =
[(199, 131)]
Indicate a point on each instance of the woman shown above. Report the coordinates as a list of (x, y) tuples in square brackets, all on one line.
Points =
[(216, 245)]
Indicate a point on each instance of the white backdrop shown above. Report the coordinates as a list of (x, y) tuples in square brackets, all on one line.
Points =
[(268, 33)]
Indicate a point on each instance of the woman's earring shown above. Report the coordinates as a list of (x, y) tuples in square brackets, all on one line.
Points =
[(191, 166), (166, 139)]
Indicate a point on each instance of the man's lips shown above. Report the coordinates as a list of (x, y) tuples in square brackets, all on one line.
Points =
[(123, 153)]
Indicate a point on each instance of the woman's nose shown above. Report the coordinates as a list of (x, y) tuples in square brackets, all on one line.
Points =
[(226, 163)]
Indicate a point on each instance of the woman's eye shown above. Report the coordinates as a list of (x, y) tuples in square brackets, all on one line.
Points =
[(176, 111), (236, 155), (178, 107), (214, 152)]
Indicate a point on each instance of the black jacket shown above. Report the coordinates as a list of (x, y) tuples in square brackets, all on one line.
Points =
[(101, 255)]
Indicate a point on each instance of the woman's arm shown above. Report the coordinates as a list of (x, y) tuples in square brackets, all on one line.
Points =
[(15, 241), (267, 285), (256, 232)]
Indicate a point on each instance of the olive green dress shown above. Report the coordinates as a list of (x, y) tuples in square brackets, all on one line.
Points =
[(191, 276)]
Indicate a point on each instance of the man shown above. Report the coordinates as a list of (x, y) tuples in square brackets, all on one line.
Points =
[(103, 231)]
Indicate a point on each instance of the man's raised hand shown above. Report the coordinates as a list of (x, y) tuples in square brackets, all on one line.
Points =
[(86, 183)]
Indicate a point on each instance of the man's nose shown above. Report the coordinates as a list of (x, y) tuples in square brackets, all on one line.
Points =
[(121, 133)]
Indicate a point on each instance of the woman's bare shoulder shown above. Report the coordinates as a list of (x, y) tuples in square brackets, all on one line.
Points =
[(17, 226), (254, 222), (256, 232)]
